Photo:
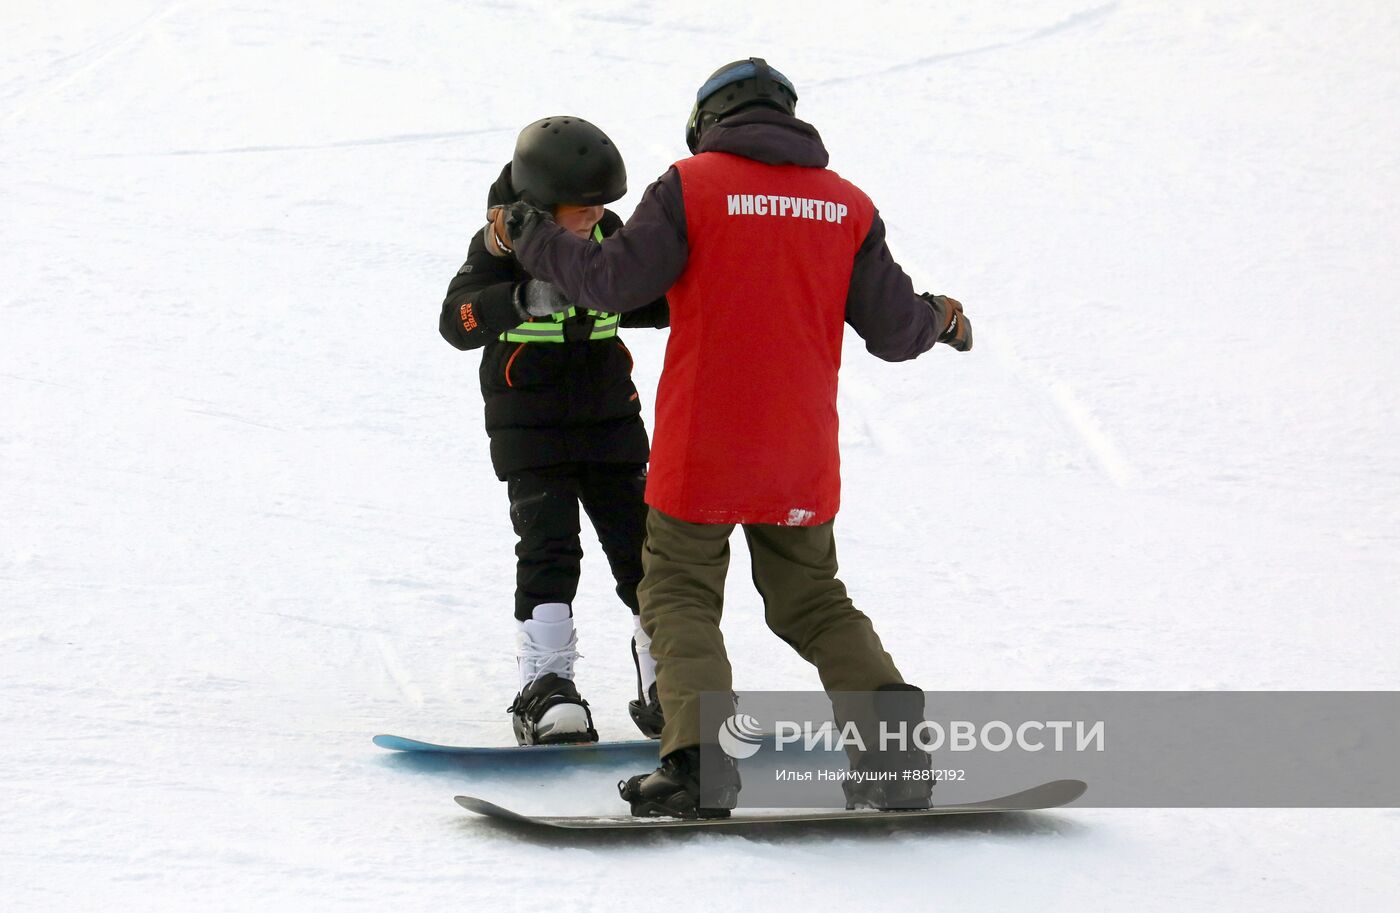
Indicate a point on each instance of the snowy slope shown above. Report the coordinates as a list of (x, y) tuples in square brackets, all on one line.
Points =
[(247, 517)]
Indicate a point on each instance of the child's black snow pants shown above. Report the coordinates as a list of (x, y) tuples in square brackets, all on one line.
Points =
[(544, 508)]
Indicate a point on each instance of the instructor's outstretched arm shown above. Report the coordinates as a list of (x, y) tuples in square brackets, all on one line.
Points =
[(628, 270)]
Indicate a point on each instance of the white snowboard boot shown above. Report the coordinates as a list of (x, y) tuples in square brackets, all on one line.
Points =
[(548, 709)]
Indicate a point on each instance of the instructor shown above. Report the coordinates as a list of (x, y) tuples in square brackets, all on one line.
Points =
[(763, 254)]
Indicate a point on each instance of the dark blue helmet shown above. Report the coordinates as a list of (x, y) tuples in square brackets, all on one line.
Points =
[(737, 85)]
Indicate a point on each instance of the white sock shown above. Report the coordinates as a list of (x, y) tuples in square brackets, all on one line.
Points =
[(546, 642), (645, 664)]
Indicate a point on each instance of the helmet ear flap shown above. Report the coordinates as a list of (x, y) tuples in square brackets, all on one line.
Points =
[(692, 129), (528, 197), (702, 122)]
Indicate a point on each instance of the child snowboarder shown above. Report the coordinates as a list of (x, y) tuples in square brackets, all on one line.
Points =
[(564, 421)]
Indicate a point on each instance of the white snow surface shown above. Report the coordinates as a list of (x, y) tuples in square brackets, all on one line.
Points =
[(247, 517)]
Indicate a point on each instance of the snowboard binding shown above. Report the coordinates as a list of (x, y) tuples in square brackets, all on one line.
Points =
[(647, 714), (646, 709), (673, 789), (550, 712)]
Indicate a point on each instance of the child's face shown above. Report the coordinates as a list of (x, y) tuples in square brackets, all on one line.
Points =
[(578, 219)]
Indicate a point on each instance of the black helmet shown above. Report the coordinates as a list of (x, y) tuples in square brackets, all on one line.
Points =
[(567, 160), (738, 85)]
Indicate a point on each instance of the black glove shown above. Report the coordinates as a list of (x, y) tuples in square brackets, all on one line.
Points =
[(957, 331), (534, 298), (515, 220)]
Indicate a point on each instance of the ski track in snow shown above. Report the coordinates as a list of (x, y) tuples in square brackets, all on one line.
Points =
[(411, 692), (396, 140), (1076, 413), (248, 520), (61, 75), (1075, 21)]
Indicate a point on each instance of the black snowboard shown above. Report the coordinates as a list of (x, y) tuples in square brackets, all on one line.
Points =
[(1047, 795)]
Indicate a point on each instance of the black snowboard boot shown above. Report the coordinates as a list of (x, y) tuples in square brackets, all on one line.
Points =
[(673, 789), (550, 712), (901, 780)]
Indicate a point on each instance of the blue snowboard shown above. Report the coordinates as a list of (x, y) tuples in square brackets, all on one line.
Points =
[(638, 749)]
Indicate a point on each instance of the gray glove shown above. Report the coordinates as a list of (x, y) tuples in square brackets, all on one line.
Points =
[(534, 298)]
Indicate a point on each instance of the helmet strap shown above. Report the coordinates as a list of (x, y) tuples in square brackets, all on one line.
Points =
[(762, 77)]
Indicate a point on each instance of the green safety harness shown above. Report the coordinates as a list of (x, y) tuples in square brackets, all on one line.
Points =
[(604, 324)]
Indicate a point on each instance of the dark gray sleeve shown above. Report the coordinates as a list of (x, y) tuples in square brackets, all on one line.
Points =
[(881, 306), (652, 316), (631, 268)]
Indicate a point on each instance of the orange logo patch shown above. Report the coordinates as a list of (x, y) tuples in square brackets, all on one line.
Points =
[(468, 317)]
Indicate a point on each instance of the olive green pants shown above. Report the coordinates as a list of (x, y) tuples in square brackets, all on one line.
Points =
[(794, 568)]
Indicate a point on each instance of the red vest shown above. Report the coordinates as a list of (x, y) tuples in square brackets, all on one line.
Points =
[(746, 407)]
